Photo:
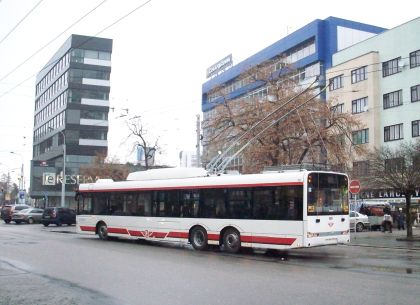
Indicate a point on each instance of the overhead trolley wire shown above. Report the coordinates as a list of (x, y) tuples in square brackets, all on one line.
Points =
[(26, 16), (54, 62), (52, 40)]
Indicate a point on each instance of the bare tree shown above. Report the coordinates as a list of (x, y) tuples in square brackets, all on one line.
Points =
[(106, 168), (140, 134), (8, 188), (397, 169), (310, 130)]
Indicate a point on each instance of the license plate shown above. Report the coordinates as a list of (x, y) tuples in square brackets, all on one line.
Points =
[(46, 216)]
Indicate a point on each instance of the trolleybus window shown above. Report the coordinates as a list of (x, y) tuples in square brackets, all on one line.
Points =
[(327, 194), (270, 203), (213, 203)]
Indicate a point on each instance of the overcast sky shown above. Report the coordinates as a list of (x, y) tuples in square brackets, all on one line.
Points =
[(160, 55)]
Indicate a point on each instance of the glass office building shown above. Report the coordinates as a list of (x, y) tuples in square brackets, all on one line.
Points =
[(71, 116)]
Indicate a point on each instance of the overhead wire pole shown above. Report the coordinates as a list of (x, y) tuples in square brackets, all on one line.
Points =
[(22, 177), (214, 163), (226, 161)]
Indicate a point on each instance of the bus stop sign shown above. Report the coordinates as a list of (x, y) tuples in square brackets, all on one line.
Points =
[(354, 187)]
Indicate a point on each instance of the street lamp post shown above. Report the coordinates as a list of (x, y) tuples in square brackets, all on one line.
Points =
[(22, 182)]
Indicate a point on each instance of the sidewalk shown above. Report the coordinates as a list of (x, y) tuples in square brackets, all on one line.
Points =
[(396, 239)]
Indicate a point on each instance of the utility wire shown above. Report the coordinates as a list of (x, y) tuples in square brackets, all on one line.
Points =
[(214, 164), (54, 62), (51, 41), (221, 167), (14, 28)]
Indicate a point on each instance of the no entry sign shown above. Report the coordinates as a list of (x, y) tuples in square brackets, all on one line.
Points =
[(354, 187)]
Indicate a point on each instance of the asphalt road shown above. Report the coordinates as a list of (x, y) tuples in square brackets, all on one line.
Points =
[(56, 266)]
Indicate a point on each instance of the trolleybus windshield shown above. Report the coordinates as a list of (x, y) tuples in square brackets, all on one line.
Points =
[(327, 194)]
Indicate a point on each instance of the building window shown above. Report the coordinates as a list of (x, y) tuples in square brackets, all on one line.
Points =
[(394, 165), (339, 108), (361, 136), (76, 95), (77, 75), (361, 168), (279, 65), (93, 134), (359, 105), (415, 93), (358, 75), (93, 115), (301, 51), (259, 94), (393, 132), (415, 59), (336, 82), (391, 67), (78, 55), (415, 128), (393, 99)]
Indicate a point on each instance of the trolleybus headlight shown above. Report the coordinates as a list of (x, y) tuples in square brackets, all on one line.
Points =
[(312, 234)]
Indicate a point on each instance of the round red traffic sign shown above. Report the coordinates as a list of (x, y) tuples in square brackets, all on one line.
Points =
[(354, 187)]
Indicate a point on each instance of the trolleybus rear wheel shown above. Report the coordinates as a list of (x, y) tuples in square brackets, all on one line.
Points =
[(231, 240), (199, 238)]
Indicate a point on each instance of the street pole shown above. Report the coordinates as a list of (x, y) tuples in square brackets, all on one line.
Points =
[(63, 181), (22, 181)]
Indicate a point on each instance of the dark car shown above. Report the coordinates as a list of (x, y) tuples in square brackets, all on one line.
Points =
[(8, 210), (58, 216)]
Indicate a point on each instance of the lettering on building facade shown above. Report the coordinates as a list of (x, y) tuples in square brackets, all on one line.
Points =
[(376, 194), (54, 179)]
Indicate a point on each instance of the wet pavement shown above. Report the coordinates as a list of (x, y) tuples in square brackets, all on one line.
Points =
[(369, 256), (396, 240)]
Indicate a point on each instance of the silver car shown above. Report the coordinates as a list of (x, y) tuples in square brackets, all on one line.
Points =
[(358, 221), (30, 215)]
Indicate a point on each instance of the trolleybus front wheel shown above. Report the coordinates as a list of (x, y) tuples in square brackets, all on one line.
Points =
[(103, 231)]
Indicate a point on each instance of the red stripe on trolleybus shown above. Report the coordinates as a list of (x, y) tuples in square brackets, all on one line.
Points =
[(135, 233), (268, 240), (117, 230), (88, 228), (150, 234), (158, 234), (177, 235), (213, 236)]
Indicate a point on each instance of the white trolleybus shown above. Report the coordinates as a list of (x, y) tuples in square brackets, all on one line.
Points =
[(282, 210)]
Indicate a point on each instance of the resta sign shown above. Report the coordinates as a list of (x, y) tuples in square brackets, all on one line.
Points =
[(54, 179)]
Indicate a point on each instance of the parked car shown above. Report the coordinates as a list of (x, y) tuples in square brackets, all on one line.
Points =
[(358, 221), (30, 215), (375, 213), (58, 216), (8, 210)]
